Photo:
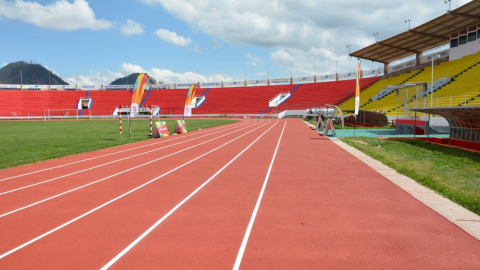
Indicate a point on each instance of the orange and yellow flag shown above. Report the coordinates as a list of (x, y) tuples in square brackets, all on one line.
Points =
[(357, 91)]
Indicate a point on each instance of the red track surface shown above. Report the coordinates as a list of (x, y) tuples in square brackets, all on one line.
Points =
[(322, 208)]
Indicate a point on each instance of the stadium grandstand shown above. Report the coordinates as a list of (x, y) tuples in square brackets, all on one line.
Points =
[(454, 73)]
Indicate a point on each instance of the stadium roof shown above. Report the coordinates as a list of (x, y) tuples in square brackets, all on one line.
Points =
[(427, 36)]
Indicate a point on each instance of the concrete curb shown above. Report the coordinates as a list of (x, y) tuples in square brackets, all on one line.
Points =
[(463, 218)]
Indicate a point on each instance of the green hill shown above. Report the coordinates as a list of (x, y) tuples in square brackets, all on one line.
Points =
[(31, 74)]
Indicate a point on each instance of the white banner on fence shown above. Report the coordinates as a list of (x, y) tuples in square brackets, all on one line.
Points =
[(428, 58), (401, 66), (257, 82), (280, 81), (237, 83), (211, 85), (89, 87), (35, 87), (371, 72), (10, 86), (184, 85), (304, 79), (347, 75), (60, 87), (107, 87), (326, 77)]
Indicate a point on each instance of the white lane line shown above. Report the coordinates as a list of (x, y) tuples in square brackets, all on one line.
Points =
[(255, 210), (129, 247), (108, 163), (108, 177), (122, 151), (115, 199)]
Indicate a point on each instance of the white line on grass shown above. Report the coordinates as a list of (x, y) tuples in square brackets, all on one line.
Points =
[(108, 177), (108, 163), (129, 247), (255, 210), (117, 198), (75, 162)]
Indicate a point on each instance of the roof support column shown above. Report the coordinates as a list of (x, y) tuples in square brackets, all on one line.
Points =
[(418, 56)]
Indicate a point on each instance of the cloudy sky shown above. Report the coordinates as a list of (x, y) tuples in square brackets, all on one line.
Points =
[(221, 40)]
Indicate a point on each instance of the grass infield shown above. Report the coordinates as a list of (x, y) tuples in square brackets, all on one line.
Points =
[(24, 142), (451, 172)]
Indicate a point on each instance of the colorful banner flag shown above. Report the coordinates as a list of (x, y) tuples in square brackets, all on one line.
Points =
[(180, 127), (357, 91), (137, 93), (160, 130), (189, 101)]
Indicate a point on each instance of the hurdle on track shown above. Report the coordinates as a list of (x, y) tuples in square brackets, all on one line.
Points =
[(150, 109)]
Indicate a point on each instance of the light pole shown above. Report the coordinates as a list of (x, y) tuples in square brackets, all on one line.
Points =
[(376, 34), (348, 47), (21, 80), (431, 88), (449, 4), (408, 21)]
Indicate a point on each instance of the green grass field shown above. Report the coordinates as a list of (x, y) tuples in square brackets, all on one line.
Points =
[(23, 142), (451, 172)]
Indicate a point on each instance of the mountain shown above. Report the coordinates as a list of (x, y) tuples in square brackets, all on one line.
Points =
[(31, 74), (123, 81)]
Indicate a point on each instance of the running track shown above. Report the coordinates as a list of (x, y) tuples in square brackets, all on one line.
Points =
[(258, 194)]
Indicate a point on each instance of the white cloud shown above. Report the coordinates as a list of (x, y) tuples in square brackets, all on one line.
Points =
[(173, 38), (59, 15), (127, 69), (131, 28), (53, 71), (253, 58), (162, 75), (95, 78), (301, 30), (196, 49), (4, 64)]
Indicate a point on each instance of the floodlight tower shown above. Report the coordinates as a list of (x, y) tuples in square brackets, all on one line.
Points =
[(376, 34), (449, 4), (408, 21), (348, 47)]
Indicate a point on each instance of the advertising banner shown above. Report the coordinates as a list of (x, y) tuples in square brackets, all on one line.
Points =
[(326, 77), (160, 130), (304, 79), (257, 82), (137, 93), (189, 100), (347, 75), (280, 81)]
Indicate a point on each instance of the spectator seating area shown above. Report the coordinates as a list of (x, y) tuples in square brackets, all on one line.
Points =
[(232, 100), (463, 90)]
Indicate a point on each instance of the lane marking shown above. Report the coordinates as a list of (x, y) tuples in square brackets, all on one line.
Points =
[(257, 206), (129, 247), (122, 172), (117, 198), (111, 162), (126, 150)]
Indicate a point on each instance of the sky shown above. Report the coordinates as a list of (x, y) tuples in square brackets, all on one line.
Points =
[(97, 41)]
